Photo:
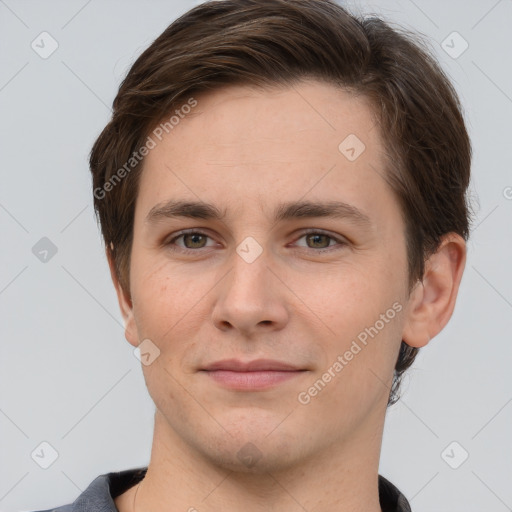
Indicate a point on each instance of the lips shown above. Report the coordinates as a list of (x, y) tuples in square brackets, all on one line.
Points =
[(254, 375), (235, 365)]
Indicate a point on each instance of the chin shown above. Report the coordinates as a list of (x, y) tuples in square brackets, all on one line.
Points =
[(257, 443), (256, 457)]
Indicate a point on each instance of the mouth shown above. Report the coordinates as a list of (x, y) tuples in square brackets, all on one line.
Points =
[(253, 375)]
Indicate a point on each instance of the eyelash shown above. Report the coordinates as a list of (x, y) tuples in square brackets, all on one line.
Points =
[(171, 242)]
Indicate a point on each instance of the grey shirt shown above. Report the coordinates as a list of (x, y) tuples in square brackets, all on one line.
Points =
[(99, 496)]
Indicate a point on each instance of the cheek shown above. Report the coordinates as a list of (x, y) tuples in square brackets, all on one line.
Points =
[(360, 361), (362, 307), (162, 294), (350, 296), (170, 308)]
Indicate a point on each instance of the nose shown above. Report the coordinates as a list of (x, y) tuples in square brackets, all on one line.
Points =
[(251, 299)]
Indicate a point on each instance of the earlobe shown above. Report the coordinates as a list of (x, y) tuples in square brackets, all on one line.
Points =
[(125, 303), (432, 300)]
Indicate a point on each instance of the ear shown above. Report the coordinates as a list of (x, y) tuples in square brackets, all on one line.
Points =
[(125, 303), (432, 300)]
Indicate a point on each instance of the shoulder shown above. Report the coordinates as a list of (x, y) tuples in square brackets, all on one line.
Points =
[(99, 495), (390, 497), (62, 508)]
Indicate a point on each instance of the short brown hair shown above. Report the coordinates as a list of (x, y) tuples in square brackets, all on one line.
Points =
[(280, 42)]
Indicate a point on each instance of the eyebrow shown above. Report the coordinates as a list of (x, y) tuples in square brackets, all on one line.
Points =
[(284, 211)]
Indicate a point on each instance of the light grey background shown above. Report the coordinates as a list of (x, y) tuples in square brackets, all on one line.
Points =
[(67, 375)]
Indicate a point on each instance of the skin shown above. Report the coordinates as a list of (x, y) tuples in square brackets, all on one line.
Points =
[(246, 151)]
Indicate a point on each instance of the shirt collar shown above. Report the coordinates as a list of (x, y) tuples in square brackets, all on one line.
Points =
[(99, 495)]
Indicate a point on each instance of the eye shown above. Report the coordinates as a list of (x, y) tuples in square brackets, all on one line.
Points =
[(192, 240), (320, 241)]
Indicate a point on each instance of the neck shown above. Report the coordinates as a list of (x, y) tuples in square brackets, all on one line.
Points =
[(344, 478)]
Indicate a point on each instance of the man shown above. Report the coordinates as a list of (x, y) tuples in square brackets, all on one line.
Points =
[(282, 195)]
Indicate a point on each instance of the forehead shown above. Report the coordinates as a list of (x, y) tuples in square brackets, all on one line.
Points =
[(251, 147), (241, 116)]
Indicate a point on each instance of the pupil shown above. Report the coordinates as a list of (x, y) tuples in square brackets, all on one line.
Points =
[(196, 239), (316, 239)]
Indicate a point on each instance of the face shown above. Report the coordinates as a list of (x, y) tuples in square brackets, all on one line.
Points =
[(277, 304)]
